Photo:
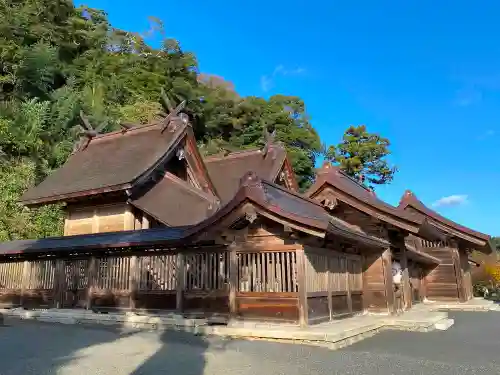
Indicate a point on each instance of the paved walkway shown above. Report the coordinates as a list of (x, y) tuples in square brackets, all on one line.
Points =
[(470, 347), (475, 304), (334, 335)]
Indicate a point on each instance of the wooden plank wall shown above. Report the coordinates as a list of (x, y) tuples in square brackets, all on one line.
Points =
[(144, 281), (378, 295), (376, 266), (267, 275), (95, 219), (333, 284)]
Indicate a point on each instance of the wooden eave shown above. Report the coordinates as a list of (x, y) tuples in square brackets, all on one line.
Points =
[(138, 239), (196, 162), (250, 198), (405, 222), (286, 166), (357, 236), (244, 202), (479, 241), (76, 195), (421, 256), (183, 185), (255, 197)]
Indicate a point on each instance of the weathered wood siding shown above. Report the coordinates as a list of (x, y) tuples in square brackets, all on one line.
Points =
[(333, 284), (95, 219), (191, 281), (267, 274), (466, 274), (11, 282), (378, 296)]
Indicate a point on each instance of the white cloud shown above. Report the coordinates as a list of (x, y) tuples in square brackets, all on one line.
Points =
[(468, 97), (267, 81), (488, 134), (452, 200)]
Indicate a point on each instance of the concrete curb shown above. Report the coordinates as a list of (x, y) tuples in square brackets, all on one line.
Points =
[(475, 305), (464, 308), (335, 339)]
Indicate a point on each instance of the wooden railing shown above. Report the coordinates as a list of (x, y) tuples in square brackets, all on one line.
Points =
[(150, 281)]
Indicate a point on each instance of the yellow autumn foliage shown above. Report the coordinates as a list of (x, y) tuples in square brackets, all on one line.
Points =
[(493, 270)]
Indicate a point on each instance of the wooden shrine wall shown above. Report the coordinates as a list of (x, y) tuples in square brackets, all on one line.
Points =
[(377, 280), (95, 219), (267, 274), (191, 281), (333, 284)]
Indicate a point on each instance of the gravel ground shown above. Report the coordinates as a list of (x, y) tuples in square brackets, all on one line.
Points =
[(470, 347)]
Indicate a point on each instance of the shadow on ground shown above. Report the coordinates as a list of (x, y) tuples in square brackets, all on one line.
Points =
[(46, 348)]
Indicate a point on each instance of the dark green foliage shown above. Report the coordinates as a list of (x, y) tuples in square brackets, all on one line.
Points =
[(56, 60), (362, 155), (496, 242)]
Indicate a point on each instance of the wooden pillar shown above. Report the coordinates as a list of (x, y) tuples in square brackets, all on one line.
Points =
[(138, 222), (95, 221), (389, 286), (180, 278), (301, 276), (59, 287), (145, 222), (91, 277), (467, 278), (233, 280), (25, 280), (129, 221), (423, 286), (349, 286), (405, 280), (329, 286), (133, 281), (455, 256)]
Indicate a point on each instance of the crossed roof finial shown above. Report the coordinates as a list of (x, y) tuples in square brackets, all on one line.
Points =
[(268, 139), (87, 132), (172, 112)]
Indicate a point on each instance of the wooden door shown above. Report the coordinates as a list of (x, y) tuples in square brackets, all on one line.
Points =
[(73, 286)]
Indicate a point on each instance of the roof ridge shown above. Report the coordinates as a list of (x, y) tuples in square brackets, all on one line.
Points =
[(333, 175), (131, 131), (291, 192), (328, 168), (410, 199), (235, 154)]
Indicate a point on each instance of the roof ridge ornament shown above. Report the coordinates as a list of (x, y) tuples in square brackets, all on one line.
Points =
[(172, 113), (268, 142), (87, 133), (249, 179)]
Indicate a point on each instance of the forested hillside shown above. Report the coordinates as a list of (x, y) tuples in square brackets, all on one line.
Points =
[(57, 60)]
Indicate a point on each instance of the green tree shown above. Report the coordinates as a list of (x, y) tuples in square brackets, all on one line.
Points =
[(57, 59), (496, 243), (362, 155)]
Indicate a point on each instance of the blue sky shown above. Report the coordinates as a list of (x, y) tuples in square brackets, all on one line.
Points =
[(424, 74)]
